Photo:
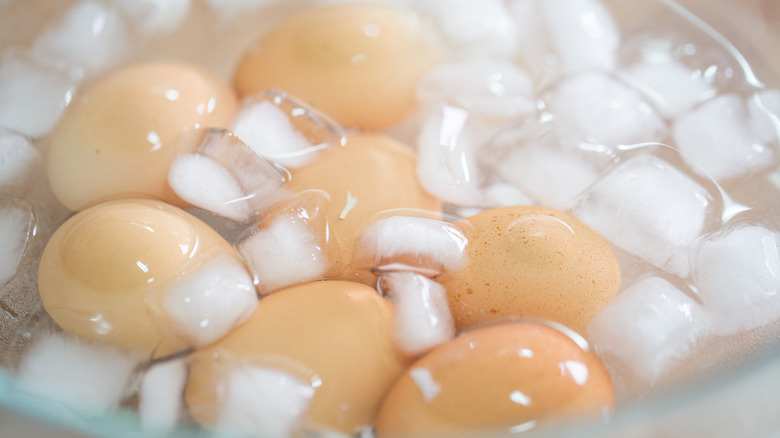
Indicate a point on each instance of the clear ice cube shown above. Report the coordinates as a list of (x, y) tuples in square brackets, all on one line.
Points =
[(155, 17), (19, 162), (16, 228), (465, 27)]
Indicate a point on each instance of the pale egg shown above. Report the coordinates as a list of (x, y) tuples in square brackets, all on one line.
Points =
[(123, 272), (535, 262), (121, 135), (370, 174), (501, 378), (337, 335), (357, 63)]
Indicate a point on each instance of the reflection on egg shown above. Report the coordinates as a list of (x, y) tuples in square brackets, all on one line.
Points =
[(357, 63), (337, 334), (370, 174), (102, 273), (121, 135), (532, 262), (504, 377)]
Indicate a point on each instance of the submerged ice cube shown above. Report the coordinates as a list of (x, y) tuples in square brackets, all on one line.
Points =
[(19, 160), (16, 228), (764, 112), (648, 328), (155, 17), (717, 138), (160, 398), (737, 273), (34, 92), (482, 28), (650, 209)]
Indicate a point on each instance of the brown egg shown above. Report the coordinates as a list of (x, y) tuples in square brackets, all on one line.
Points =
[(532, 262), (499, 378), (121, 135), (370, 174), (357, 63), (338, 334), (103, 270)]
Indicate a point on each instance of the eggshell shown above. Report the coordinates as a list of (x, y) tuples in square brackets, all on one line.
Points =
[(494, 379), (337, 334), (357, 63), (121, 135), (100, 270), (530, 261), (370, 174)]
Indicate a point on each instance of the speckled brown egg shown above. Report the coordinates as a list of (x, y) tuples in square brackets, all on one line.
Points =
[(530, 261), (336, 334), (501, 378)]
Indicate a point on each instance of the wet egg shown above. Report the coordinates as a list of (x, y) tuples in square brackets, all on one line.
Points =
[(357, 63), (336, 334), (501, 378), (370, 174), (530, 261), (121, 135), (102, 273)]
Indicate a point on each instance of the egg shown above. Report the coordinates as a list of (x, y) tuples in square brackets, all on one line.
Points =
[(370, 174), (121, 135), (337, 334), (500, 378), (357, 63), (104, 272), (531, 261)]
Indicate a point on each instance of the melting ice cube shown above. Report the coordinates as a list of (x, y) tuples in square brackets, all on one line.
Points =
[(482, 28), (18, 161), (16, 227)]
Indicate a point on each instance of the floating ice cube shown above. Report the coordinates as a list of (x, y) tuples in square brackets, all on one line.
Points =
[(583, 33), (206, 303), (764, 111), (16, 224), (290, 246), (155, 17), (228, 10), (446, 157), (650, 209), (533, 49), (74, 372), (160, 398), (18, 161), (604, 110), (422, 313), (717, 140), (649, 327), (34, 92), (417, 244), (257, 401), (284, 129), (486, 87), (226, 177), (482, 28), (91, 36), (737, 273), (504, 194), (669, 85)]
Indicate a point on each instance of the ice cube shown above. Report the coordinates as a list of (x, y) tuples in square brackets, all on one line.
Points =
[(291, 245), (737, 273), (208, 301), (229, 10), (604, 110), (447, 156), (583, 33), (160, 398), (669, 85), (86, 376), (16, 227), (284, 129), (19, 160), (649, 327), (650, 209), (417, 244), (764, 111), (504, 194), (259, 401), (91, 36), (484, 28), (716, 139), (490, 88), (34, 92), (155, 17), (422, 313), (226, 177)]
